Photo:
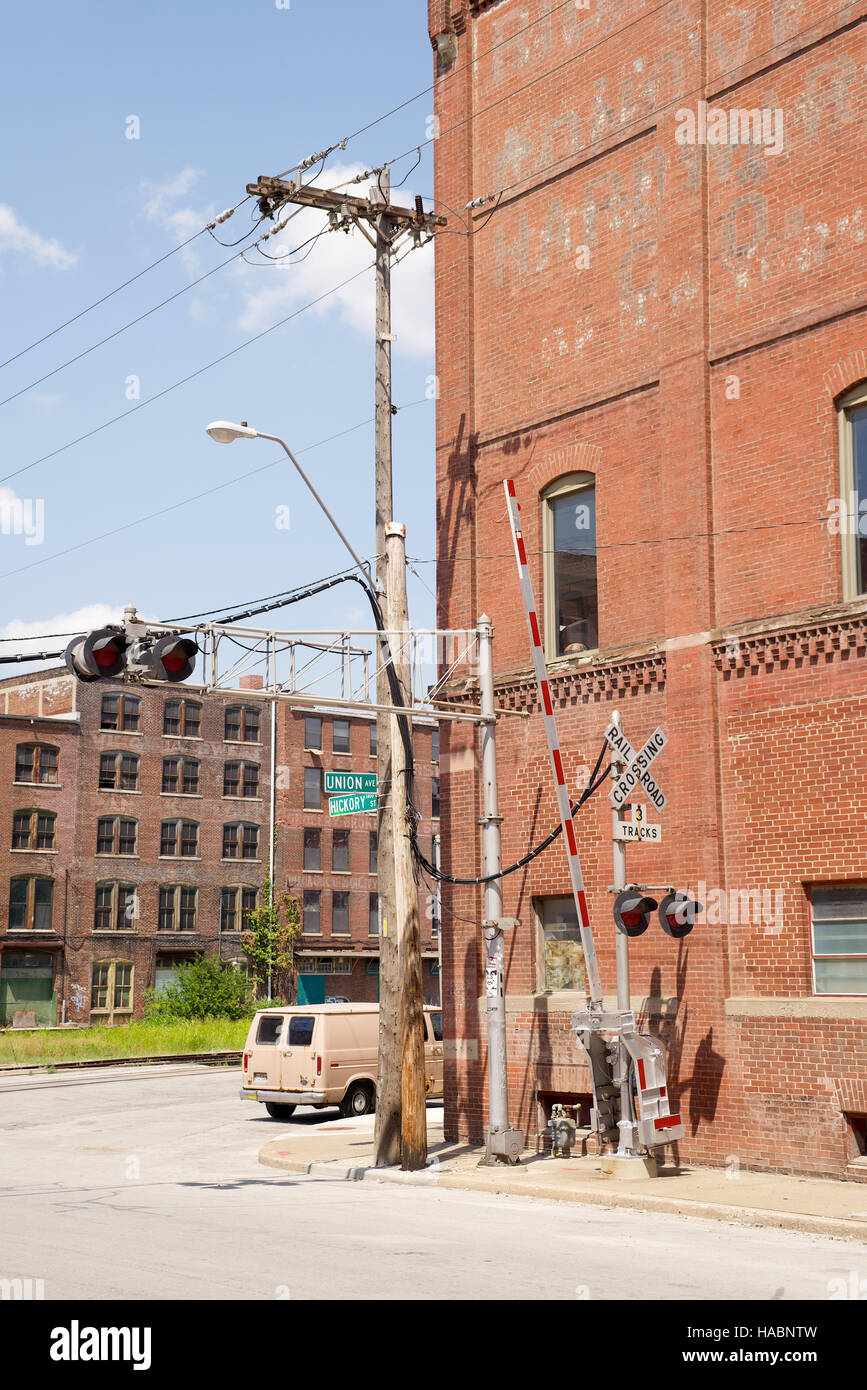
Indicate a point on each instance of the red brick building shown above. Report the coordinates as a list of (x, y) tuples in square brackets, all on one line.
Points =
[(657, 329), (135, 833)]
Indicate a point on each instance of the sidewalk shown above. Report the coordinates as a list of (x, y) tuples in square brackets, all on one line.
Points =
[(343, 1150)]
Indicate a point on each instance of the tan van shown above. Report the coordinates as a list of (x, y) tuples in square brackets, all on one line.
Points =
[(325, 1054)]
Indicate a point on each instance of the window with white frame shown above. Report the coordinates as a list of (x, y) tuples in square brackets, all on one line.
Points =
[(840, 939), (569, 546), (853, 490)]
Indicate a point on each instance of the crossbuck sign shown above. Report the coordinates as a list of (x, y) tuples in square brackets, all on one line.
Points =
[(636, 772)]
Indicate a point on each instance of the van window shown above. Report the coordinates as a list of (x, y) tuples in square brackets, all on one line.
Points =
[(301, 1031), (436, 1024), (270, 1026)]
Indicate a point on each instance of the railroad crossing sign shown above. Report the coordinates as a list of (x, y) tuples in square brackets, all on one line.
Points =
[(638, 828), (636, 773)]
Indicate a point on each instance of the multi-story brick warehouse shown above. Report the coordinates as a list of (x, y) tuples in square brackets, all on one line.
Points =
[(136, 835), (657, 329)]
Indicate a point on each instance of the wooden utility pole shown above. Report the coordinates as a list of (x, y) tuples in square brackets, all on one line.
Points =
[(382, 223), (388, 1086), (413, 1110)]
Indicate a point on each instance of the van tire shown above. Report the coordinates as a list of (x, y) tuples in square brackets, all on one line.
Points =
[(359, 1100), (279, 1112)]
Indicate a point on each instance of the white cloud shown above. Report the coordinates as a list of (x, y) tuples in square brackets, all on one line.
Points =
[(180, 222), (15, 236), (276, 289), (80, 620)]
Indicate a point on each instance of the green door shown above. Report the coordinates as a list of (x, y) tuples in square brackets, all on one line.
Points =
[(311, 989), (27, 983)]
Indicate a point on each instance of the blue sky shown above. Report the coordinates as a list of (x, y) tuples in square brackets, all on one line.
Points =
[(222, 92)]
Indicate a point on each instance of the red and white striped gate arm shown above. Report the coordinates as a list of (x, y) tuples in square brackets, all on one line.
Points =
[(593, 981)]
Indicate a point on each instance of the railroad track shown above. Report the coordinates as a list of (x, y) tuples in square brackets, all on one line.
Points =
[(229, 1057)]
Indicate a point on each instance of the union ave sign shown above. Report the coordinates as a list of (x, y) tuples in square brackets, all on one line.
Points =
[(342, 782)]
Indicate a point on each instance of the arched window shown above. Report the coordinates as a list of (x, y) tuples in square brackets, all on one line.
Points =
[(179, 838), (118, 771), (569, 544), (34, 830), (30, 903), (853, 490), (242, 724), (36, 762), (111, 990), (240, 841)]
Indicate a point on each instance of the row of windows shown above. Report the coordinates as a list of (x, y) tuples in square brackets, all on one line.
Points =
[(340, 736), (313, 791), (119, 771), (181, 718), (115, 906), (312, 861), (339, 913), (37, 830)]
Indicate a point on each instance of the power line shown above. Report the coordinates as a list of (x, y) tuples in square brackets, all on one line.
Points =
[(186, 501), (339, 145), (124, 414), (117, 289)]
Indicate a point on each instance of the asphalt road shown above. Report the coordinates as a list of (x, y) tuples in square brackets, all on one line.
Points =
[(146, 1185)]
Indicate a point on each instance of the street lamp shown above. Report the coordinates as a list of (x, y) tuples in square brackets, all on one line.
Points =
[(224, 432)]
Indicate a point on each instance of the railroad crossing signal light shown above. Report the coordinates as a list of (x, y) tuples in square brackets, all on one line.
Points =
[(677, 914), (632, 911), (97, 655), (172, 658)]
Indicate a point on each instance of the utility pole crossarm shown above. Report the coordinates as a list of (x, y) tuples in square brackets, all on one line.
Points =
[(272, 193)]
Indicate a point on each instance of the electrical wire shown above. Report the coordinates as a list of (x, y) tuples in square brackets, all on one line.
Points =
[(191, 377), (196, 497), (593, 785)]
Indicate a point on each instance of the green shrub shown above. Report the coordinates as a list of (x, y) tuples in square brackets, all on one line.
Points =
[(203, 988)]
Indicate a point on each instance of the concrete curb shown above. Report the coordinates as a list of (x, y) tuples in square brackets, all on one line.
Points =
[(472, 1181)]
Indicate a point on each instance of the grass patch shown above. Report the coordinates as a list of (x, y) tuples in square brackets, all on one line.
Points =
[(144, 1039)]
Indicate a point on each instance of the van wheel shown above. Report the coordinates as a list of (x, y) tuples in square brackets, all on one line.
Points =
[(279, 1112), (357, 1101)]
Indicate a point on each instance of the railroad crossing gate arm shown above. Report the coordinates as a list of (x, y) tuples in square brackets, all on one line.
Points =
[(594, 985)]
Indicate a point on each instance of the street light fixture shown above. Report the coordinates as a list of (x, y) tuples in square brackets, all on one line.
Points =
[(225, 432)]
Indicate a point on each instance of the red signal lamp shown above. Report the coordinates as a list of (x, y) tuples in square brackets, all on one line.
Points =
[(677, 914), (632, 911)]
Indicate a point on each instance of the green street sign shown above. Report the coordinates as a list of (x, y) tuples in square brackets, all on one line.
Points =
[(339, 783), (355, 801)]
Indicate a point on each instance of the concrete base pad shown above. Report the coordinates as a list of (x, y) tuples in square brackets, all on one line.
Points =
[(628, 1169)]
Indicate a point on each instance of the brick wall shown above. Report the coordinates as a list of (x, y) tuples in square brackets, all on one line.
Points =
[(678, 320)]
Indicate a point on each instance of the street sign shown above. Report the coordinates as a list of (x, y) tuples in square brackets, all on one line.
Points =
[(356, 801), (636, 773), (343, 782), (638, 828)]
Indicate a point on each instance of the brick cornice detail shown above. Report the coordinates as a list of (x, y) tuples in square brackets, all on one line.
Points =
[(518, 690), (777, 650)]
